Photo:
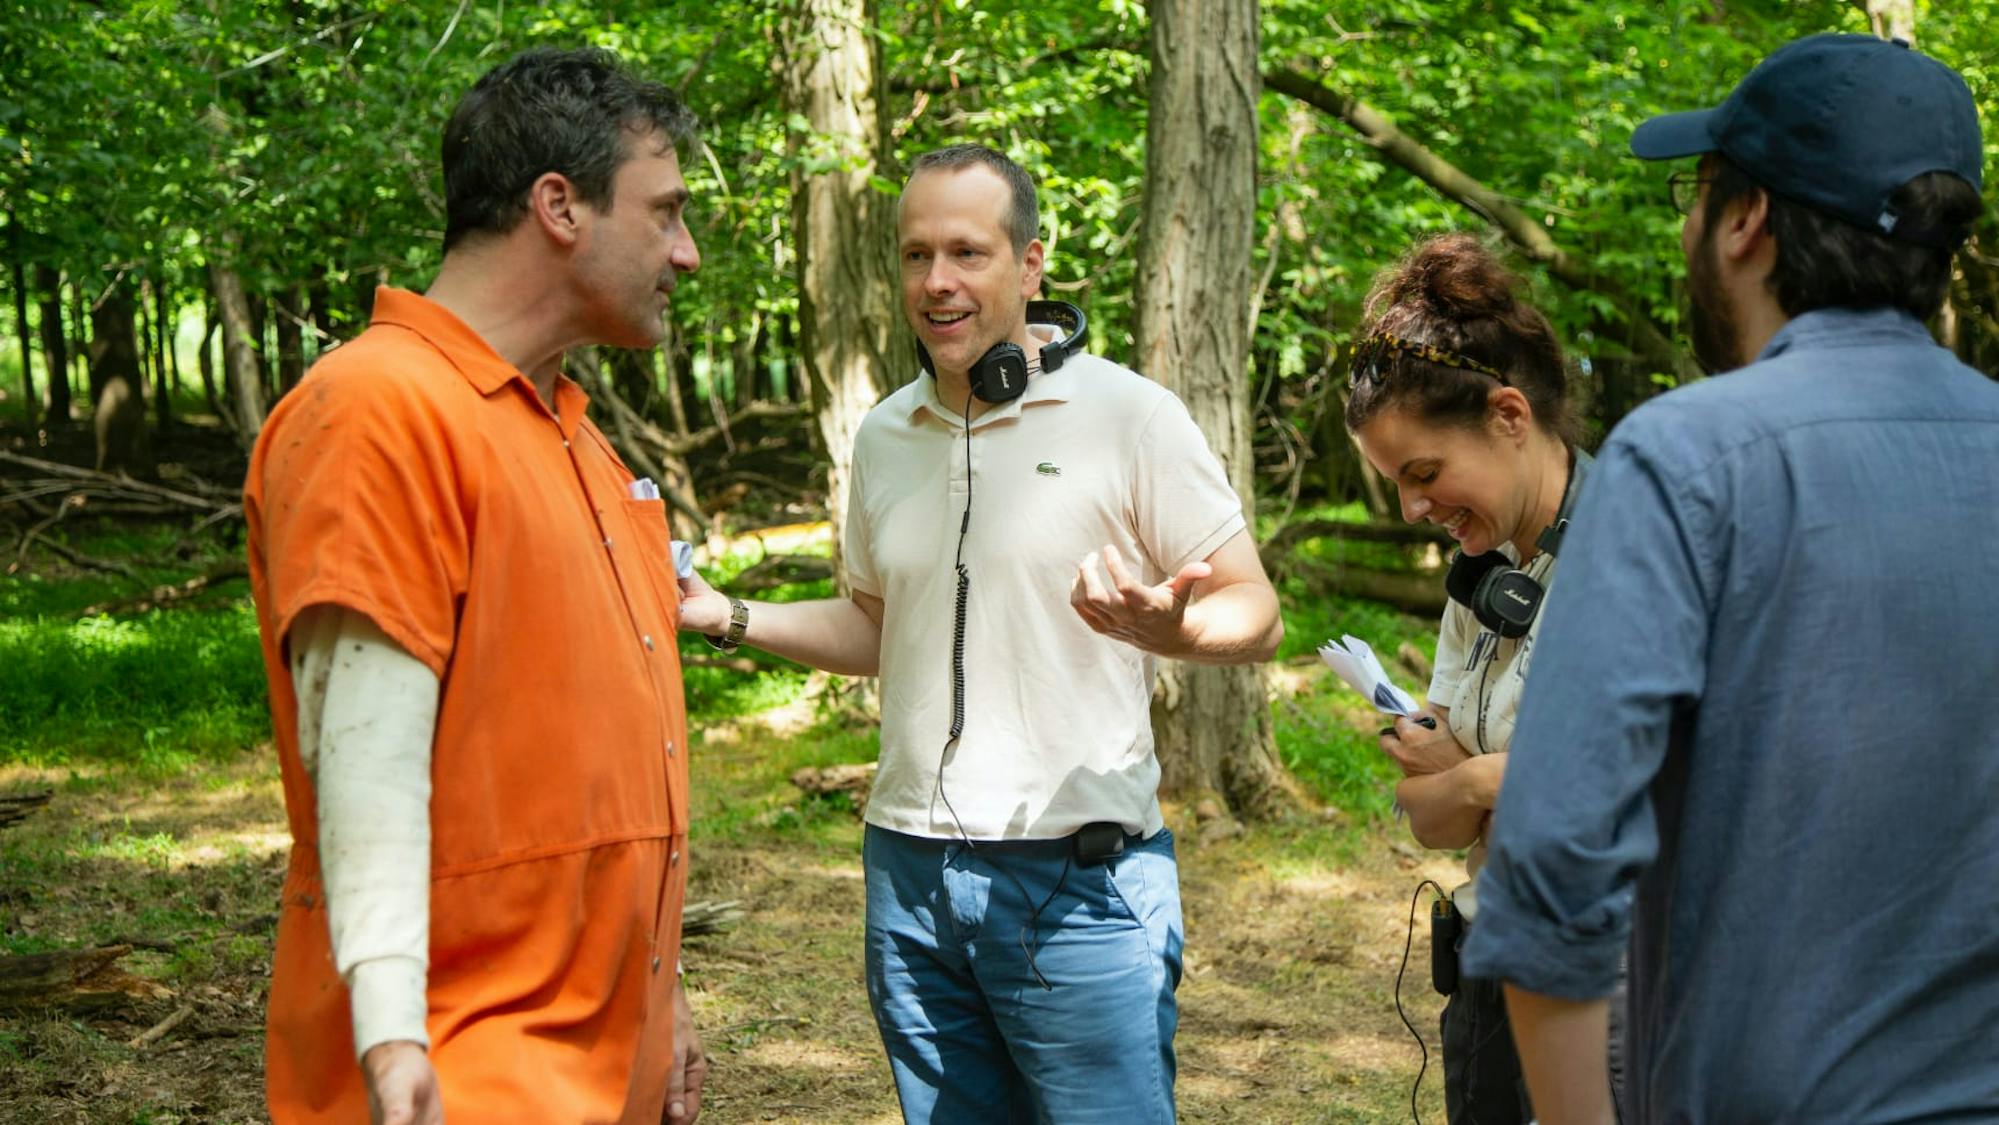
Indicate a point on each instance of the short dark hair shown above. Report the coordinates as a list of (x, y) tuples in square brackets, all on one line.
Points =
[(573, 112), (1826, 262), (1453, 294), (1023, 218)]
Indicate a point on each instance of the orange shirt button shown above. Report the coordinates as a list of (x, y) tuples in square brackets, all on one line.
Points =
[(648, 640)]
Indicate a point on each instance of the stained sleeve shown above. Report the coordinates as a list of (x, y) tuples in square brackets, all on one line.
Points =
[(1622, 653), (367, 718)]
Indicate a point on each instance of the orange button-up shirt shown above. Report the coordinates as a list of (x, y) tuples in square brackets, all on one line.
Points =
[(417, 477)]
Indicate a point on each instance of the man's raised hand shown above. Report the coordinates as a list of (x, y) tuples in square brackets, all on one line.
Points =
[(1113, 602)]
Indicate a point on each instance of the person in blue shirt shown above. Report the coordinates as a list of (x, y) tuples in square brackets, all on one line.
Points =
[(1760, 740)]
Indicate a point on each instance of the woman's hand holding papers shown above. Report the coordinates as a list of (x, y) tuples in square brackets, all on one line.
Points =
[(1420, 750)]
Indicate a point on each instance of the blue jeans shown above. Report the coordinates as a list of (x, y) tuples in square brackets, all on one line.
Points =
[(972, 1036)]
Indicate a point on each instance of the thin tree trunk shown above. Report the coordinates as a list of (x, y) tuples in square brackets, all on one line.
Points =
[(33, 402), (743, 357), (117, 386), (850, 321), (671, 370), (1211, 725), (55, 345), (239, 354), (142, 324), (79, 336), (204, 358), (288, 311), (260, 332), (166, 369)]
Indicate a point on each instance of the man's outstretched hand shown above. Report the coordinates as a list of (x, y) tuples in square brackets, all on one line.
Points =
[(1116, 604)]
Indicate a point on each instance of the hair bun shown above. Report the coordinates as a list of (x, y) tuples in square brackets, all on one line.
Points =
[(1455, 276)]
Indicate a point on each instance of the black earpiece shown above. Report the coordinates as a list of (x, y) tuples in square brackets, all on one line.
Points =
[(1504, 598), (1000, 375)]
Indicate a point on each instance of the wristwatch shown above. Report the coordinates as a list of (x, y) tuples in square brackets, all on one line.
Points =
[(739, 623)]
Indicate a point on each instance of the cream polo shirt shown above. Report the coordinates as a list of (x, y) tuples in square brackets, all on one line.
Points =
[(1479, 674), (1058, 729)]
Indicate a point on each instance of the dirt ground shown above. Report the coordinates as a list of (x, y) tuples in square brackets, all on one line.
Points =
[(1294, 934)]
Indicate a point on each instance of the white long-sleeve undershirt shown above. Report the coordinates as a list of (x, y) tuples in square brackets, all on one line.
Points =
[(367, 713)]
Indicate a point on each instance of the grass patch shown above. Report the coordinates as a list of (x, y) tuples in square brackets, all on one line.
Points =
[(155, 691), (1326, 734)]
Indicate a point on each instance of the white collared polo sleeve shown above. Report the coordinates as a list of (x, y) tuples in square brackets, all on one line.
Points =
[(1181, 496)]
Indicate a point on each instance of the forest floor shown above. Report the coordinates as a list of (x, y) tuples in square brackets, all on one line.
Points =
[(165, 831), (1294, 935)]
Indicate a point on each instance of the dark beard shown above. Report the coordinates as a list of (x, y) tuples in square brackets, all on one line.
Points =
[(1717, 338)]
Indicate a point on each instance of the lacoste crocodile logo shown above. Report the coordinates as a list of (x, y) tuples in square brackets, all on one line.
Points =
[(1048, 469)]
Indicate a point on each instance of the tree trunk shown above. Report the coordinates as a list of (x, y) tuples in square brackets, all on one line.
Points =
[(204, 358), (289, 312), (29, 398), (165, 377), (55, 346), (1212, 725), (117, 386), (239, 353), (671, 370), (851, 326), (173, 355)]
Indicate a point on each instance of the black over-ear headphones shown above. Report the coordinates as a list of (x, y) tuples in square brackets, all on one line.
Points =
[(1504, 598), (1000, 375)]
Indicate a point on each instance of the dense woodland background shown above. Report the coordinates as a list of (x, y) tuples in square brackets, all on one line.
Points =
[(201, 198), (197, 199)]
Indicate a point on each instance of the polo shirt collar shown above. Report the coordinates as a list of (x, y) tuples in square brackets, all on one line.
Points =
[(1846, 328), (1043, 386), (469, 352)]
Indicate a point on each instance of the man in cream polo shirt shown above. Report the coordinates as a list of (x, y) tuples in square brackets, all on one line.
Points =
[(1023, 930)]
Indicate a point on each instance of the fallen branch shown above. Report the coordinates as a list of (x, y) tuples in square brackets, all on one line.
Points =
[(1298, 531), (1410, 591), (160, 597), (1455, 184), (17, 808), (709, 917), (117, 483), (77, 980), (856, 781), (782, 570), (153, 1033), (75, 557)]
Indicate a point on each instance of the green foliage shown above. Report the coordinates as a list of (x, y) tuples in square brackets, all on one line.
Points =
[(151, 690), (1326, 735)]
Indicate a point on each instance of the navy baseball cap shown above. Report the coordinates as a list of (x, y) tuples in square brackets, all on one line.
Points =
[(1838, 123)]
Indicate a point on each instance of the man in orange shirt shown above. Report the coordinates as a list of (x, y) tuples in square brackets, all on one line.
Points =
[(468, 619)]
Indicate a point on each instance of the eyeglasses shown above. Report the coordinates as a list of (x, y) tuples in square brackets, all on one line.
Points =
[(1685, 189), (1371, 358)]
